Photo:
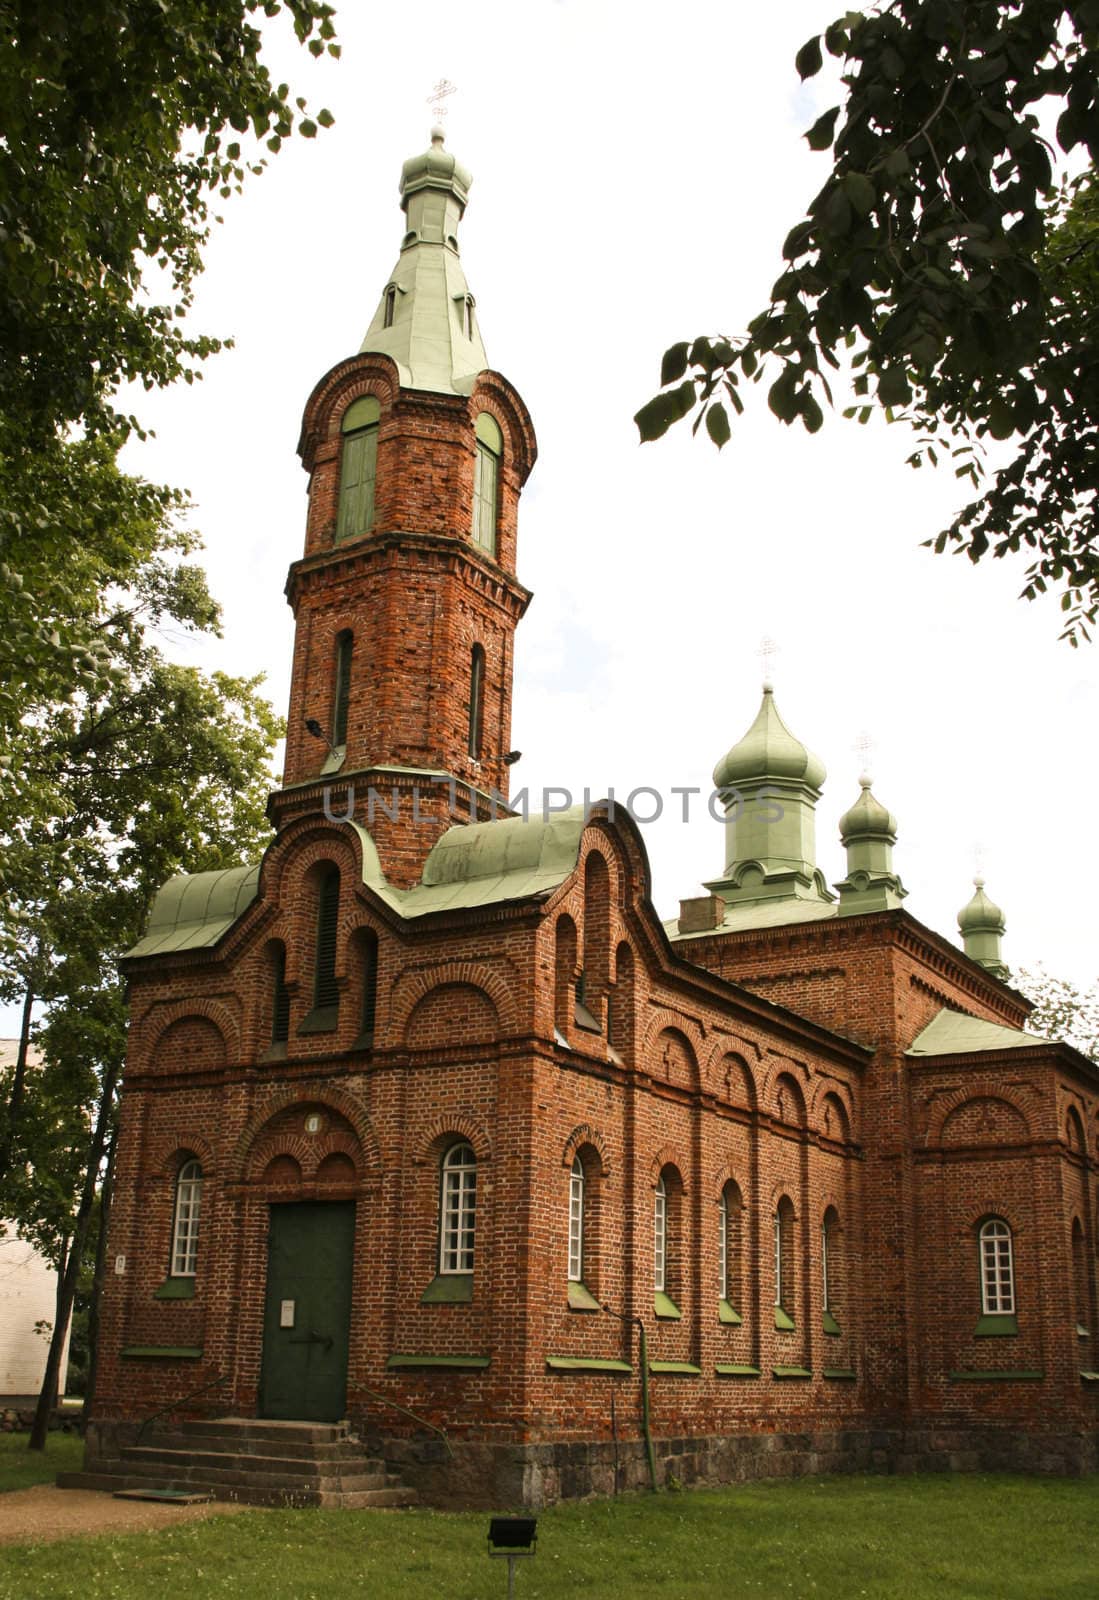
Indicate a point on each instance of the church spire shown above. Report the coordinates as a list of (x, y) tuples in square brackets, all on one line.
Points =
[(868, 833), (981, 924), (426, 321)]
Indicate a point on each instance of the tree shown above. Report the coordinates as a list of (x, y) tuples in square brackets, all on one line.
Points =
[(944, 265), (1062, 1011), (124, 122)]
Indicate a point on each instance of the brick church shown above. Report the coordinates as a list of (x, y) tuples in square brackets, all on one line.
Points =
[(432, 1133)]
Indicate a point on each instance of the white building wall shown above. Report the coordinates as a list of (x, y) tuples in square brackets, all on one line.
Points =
[(28, 1287)]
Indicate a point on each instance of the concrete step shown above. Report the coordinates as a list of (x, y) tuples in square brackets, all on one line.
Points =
[(159, 1454), (234, 1446), (252, 1428), (393, 1497), (184, 1471)]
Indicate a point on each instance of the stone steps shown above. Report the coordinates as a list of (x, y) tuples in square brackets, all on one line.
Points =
[(254, 1463)]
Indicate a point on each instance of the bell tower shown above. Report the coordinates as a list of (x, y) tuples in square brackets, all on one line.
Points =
[(406, 598)]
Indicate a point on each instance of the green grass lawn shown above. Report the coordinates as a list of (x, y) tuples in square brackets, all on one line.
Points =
[(20, 1467), (964, 1538)]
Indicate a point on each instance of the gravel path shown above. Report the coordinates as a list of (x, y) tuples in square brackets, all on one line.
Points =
[(31, 1516)]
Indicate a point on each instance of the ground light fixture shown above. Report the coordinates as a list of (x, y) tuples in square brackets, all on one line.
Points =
[(512, 1539)]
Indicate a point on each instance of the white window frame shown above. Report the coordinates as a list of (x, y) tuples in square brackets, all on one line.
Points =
[(723, 1246), (997, 1262), (660, 1236), (778, 1259), (576, 1221), (457, 1210), (185, 1222), (827, 1304)]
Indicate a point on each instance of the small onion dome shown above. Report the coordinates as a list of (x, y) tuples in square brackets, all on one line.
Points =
[(436, 169), (769, 750), (867, 817), (981, 915)]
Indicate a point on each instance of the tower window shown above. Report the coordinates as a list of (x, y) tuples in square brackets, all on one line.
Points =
[(457, 1209), (325, 992), (476, 701), (358, 468), (280, 1018), (467, 316), (486, 482), (389, 306), (368, 967), (342, 696), (185, 1222)]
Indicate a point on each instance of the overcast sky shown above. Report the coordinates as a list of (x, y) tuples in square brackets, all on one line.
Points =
[(635, 174)]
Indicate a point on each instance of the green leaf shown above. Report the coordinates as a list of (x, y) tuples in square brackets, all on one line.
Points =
[(861, 193), (674, 364), (808, 59), (821, 134), (307, 128), (657, 416), (798, 240), (717, 424), (1001, 419), (325, 118), (782, 398), (893, 388)]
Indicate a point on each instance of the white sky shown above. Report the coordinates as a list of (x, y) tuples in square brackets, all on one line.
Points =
[(635, 174)]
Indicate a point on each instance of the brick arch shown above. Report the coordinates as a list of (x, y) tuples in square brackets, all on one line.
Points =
[(464, 1009), (367, 373), (150, 1028), (307, 1094), (306, 1150), (829, 1095), (782, 1189), (302, 844), (788, 1098), (1075, 1138), (783, 1066), (413, 987), (444, 1129), (164, 1150), (584, 1134), (494, 394), (945, 1108), (667, 1156), (671, 1022), (725, 1068), (991, 1203), (720, 1177)]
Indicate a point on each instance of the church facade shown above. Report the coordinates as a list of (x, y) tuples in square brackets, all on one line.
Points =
[(429, 1123)]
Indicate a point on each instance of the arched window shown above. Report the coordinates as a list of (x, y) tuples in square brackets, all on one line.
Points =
[(784, 1263), (564, 1007), (341, 693), (185, 1223), (1080, 1280), (729, 1253), (486, 482), (325, 993), (667, 1242), (358, 467), (280, 997), (831, 1270), (576, 1221), (997, 1268), (476, 701), (660, 1235), (389, 305), (467, 316), (457, 1209)]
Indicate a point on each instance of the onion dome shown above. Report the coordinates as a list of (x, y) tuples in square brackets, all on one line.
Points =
[(980, 915), (867, 818), (436, 168), (769, 750)]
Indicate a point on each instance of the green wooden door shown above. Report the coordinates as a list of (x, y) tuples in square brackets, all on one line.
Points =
[(308, 1311)]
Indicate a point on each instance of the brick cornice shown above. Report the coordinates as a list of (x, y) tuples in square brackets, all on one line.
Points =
[(449, 554)]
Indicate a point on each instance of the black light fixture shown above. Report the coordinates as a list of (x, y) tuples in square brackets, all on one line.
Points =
[(313, 726), (512, 757), (512, 1539)]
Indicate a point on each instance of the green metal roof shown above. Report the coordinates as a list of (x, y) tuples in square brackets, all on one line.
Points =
[(952, 1033), (480, 864), (425, 320), (759, 914), (769, 750), (192, 912)]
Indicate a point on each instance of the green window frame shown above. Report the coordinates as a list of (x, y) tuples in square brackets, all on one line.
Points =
[(358, 468), (486, 482)]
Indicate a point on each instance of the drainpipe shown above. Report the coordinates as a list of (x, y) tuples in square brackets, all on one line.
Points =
[(646, 1427)]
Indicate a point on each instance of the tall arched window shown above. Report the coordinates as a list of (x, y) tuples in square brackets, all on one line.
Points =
[(389, 305), (185, 1223), (358, 468), (667, 1242), (486, 482), (476, 701), (457, 1209), (784, 1263), (325, 993), (341, 692), (1080, 1280), (729, 1254), (997, 1268), (576, 1221), (660, 1235), (831, 1270), (367, 946)]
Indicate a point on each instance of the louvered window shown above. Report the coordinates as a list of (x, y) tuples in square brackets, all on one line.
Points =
[(280, 1020), (358, 468), (486, 482), (341, 699), (369, 957), (325, 993)]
